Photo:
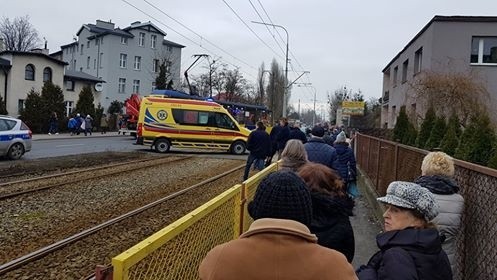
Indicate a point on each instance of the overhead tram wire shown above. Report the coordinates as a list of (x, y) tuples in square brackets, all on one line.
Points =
[(251, 30), (177, 32), (267, 27), (199, 35)]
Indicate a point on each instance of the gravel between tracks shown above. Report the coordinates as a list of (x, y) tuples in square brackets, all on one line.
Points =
[(79, 259), (39, 220)]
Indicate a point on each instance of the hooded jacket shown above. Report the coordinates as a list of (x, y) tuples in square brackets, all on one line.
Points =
[(320, 152), (408, 254), (259, 143), (345, 157), (331, 224), (451, 208), (282, 137), (275, 249)]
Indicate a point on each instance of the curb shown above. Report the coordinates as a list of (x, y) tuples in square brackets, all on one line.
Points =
[(78, 137), (366, 188)]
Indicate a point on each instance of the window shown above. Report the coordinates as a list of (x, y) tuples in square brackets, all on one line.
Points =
[(153, 41), (136, 86), (137, 64), (393, 119), (70, 85), (122, 85), (168, 67), (101, 40), (124, 40), (484, 50), (169, 49), (29, 72), (141, 39), (155, 66), (88, 59), (153, 86), (47, 74), (122, 60), (404, 70), (69, 107), (418, 59), (97, 41), (82, 47), (100, 60), (20, 105), (202, 118), (74, 64), (94, 63), (88, 44), (395, 75), (6, 125)]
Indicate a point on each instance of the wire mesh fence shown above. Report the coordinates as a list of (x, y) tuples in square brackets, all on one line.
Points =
[(384, 161)]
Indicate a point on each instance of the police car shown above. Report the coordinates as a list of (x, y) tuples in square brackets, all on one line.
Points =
[(15, 137)]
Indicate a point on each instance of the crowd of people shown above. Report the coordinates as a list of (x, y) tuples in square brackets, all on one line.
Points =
[(301, 227), (78, 124)]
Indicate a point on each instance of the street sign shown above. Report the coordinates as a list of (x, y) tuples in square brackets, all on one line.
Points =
[(353, 108)]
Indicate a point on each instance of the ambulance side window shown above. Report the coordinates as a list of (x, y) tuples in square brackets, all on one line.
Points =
[(190, 117), (223, 121)]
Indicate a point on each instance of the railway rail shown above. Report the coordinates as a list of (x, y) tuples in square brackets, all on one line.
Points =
[(41, 253), (134, 165)]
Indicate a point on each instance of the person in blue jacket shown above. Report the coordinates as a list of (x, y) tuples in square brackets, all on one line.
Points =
[(345, 163), (317, 150), (259, 145), (410, 247)]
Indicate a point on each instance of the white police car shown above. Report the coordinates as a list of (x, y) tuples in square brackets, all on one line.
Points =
[(15, 137)]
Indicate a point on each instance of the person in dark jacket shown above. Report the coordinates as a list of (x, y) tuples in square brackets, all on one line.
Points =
[(296, 133), (274, 144), (283, 136), (53, 124), (317, 150), (410, 247), (331, 209), (259, 145), (437, 172), (345, 163)]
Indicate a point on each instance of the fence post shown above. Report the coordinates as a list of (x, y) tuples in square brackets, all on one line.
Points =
[(378, 167), (369, 156), (395, 161), (243, 200)]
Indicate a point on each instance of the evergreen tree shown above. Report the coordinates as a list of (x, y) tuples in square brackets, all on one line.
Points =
[(3, 107), (115, 107), (477, 140), (492, 162), (53, 100), (411, 135), (401, 126), (161, 79), (466, 140), (32, 114), (451, 138), (99, 111), (426, 127), (85, 105), (437, 133)]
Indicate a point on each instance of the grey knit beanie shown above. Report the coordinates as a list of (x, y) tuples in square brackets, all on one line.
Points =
[(341, 137)]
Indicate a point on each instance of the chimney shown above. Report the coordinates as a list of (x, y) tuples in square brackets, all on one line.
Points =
[(105, 24)]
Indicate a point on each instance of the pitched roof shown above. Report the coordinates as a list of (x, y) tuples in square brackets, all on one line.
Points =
[(172, 44), (442, 19), (99, 31), (35, 54), (139, 25), (5, 64), (82, 76)]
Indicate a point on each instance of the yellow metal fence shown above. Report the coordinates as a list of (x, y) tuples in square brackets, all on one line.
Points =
[(175, 252)]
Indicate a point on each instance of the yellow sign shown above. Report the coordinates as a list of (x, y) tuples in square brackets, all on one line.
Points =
[(353, 108)]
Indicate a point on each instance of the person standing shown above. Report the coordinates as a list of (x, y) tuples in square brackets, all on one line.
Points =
[(53, 124), (410, 247), (317, 150), (345, 164), (278, 244), (80, 125), (88, 124), (259, 145), (104, 124), (437, 172), (283, 136), (72, 125), (274, 143), (296, 133), (293, 156), (331, 209)]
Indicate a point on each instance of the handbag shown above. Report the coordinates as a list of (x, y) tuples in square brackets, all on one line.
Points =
[(352, 189)]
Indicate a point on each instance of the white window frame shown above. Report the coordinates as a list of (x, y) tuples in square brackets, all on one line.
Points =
[(153, 86), (69, 105), (124, 40), (155, 66), (418, 60), (123, 58), (136, 86), (88, 59), (153, 41), (481, 47), (405, 68), (141, 39), (121, 85), (137, 63)]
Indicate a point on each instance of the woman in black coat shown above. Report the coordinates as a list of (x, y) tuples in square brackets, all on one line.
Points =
[(331, 209), (410, 247)]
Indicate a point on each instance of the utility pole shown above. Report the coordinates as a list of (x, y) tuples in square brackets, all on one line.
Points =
[(299, 108)]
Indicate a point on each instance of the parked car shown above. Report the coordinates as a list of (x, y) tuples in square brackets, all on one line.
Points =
[(15, 137)]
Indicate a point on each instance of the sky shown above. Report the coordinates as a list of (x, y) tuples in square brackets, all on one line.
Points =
[(340, 43)]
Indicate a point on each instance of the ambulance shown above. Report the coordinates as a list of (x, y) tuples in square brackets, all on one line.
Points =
[(184, 123)]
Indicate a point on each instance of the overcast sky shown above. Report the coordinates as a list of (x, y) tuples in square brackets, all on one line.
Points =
[(339, 42)]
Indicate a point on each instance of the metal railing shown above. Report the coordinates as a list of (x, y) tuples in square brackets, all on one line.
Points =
[(385, 161), (175, 252)]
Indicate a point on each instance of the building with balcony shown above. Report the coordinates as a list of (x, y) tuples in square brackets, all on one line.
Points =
[(454, 44)]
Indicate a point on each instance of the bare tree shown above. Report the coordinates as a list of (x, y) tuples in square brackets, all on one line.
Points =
[(234, 85), (465, 92), (19, 34), (260, 98)]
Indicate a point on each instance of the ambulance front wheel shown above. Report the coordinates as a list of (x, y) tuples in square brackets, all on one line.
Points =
[(238, 148), (162, 145)]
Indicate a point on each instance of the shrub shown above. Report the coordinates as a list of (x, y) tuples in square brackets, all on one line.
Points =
[(426, 127), (437, 133)]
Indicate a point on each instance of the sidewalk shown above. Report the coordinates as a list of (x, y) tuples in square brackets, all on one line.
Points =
[(81, 135)]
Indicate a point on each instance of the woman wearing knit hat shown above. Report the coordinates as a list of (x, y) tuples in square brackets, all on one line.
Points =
[(410, 247), (331, 209), (345, 164), (437, 172), (278, 244)]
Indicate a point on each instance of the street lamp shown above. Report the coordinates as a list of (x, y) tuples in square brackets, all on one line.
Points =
[(286, 63)]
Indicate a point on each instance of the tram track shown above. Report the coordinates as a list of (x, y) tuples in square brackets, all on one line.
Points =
[(134, 217)]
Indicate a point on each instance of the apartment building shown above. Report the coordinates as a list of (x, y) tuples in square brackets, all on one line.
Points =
[(127, 59), (445, 44)]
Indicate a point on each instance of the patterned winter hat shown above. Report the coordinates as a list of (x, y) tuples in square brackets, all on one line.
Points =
[(282, 195), (411, 196), (341, 137)]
